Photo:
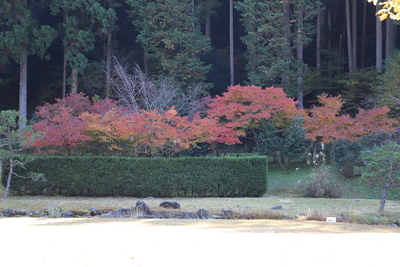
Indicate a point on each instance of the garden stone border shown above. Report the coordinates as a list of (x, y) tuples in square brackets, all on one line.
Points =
[(140, 211)]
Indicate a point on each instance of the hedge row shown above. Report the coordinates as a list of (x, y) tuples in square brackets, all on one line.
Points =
[(143, 177)]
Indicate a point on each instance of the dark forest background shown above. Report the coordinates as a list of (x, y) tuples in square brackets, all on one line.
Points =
[(339, 54)]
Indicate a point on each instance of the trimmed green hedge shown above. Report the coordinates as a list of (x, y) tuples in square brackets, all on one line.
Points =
[(143, 177)]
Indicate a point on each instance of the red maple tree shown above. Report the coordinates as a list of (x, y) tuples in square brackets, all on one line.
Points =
[(325, 124), (242, 108), (77, 125)]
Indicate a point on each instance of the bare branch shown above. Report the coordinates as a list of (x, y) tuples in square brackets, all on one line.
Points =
[(138, 90)]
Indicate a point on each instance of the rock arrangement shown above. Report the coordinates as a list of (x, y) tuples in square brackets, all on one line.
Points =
[(140, 211)]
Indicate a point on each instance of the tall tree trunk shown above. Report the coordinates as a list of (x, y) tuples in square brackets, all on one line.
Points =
[(208, 26), (383, 199), (299, 55), (23, 86), (74, 85), (145, 59), (108, 63), (354, 34), (194, 15), (286, 45), (363, 34), (231, 48), (64, 85), (349, 38), (329, 38), (318, 41), (379, 44), (390, 37), (10, 174)]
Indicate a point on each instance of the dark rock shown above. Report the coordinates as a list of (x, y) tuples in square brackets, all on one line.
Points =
[(123, 213), (141, 209), (153, 215), (1, 215), (226, 214), (186, 215), (94, 211), (203, 214), (277, 208), (9, 212), (53, 211), (109, 214), (40, 214), (22, 213), (166, 215), (170, 205), (67, 214)]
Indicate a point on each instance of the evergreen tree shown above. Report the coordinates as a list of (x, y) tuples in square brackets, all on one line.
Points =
[(21, 36), (265, 41), (303, 12), (83, 20), (168, 30), (274, 31), (285, 145)]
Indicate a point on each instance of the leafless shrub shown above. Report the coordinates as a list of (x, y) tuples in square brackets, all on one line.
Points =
[(323, 183), (138, 90), (316, 215)]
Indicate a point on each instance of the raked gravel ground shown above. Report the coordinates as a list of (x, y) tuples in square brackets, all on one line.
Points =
[(192, 243)]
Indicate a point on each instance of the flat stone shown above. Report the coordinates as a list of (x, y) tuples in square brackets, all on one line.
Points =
[(67, 214), (9, 212), (186, 215), (170, 205), (226, 214)]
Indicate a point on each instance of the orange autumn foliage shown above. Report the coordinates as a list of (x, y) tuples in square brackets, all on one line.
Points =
[(104, 127), (244, 107), (325, 124)]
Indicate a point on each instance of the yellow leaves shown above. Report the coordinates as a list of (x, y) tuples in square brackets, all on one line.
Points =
[(389, 9), (382, 15)]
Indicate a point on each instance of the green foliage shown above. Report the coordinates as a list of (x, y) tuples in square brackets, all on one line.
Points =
[(287, 145), (263, 22), (85, 19), (357, 90), (389, 85), (143, 177), (168, 30), (271, 36), (13, 140), (19, 28), (381, 170), (323, 183), (345, 155)]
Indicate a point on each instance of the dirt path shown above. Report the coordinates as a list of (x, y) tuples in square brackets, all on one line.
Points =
[(189, 243)]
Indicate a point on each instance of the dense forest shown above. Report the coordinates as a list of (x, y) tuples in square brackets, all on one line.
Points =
[(49, 48)]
